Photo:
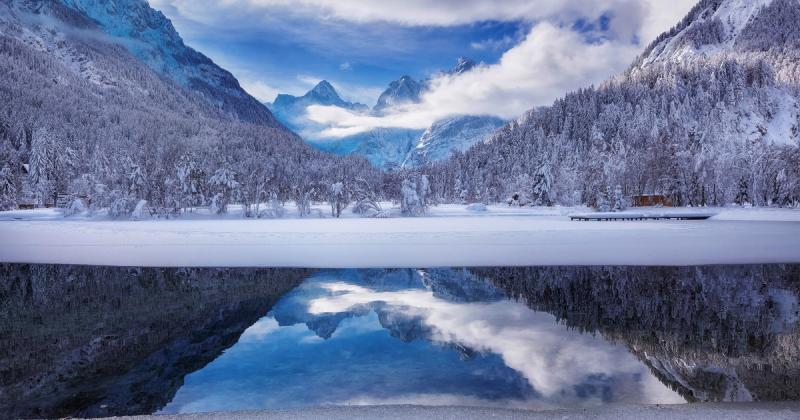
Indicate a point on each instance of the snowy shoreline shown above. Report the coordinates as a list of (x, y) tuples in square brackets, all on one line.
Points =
[(449, 237), (681, 411)]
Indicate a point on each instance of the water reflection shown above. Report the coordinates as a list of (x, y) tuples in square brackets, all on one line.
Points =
[(100, 341)]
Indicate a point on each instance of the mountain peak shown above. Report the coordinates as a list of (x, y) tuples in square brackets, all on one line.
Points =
[(463, 65), (324, 92), (404, 90), (323, 87)]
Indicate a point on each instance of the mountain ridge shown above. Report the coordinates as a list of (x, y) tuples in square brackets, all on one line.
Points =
[(151, 37), (390, 148)]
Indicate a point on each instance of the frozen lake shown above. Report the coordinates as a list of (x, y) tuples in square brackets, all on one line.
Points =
[(99, 341)]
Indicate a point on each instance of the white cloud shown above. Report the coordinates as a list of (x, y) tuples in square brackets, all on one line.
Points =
[(494, 44), (549, 62), (420, 12), (260, 90), (260, 330), (345, 66)]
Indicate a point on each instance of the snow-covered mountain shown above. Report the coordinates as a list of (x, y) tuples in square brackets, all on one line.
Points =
[(406, 90), (150, 36), (385, 148), (709, 114), (132, 114), (715, 28), (463, 65), (291, 110), (453, 134), (388, 148)]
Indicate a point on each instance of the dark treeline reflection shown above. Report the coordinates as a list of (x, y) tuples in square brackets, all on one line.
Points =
[(97, 341), (718, 333), (100, 341)]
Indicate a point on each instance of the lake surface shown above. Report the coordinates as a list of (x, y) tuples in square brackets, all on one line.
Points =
[(100, 341)]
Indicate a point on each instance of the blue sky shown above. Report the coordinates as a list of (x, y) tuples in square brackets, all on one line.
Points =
[(360, 59), (534, 50)]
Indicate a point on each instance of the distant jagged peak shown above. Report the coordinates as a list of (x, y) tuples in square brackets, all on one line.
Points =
[(401, 91), (463, 65), (324, 92)]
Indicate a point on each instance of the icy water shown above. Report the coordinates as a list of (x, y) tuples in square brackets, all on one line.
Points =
[(100, 341)]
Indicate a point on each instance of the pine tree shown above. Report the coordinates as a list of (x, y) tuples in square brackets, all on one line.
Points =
[(8, 191), (742, 196), (225, 186)]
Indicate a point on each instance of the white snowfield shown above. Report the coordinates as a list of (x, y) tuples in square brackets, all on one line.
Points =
[(449, 236), (754, 411)]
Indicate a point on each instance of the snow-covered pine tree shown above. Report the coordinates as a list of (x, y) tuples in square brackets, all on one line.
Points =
[(743, 195), (410, 204), (620, 203), (224, 186), (8, 189), (339, 198), (542, 186)]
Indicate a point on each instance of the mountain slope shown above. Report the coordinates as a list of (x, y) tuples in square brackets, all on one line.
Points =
[(150, 36), (453, 134), (708, 115), (80, 115)]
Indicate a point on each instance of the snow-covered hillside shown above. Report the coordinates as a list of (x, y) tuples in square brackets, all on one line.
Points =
[(707, 115), (713, 28), (150, 36), (450, 135), (105, 113)]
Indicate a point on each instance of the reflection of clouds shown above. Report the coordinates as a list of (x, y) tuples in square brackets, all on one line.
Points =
[(554, 359), (453, 400), (260, 330)]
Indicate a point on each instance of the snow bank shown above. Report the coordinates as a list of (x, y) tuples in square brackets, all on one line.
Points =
[(477, 208), (777, 411), (482, 239)]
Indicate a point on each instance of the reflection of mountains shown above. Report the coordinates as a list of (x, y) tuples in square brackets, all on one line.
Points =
[(454, 285), (96, 341), (711, 333)]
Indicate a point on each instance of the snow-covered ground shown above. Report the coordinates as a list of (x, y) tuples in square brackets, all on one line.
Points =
[(450, 236), (777, 411)]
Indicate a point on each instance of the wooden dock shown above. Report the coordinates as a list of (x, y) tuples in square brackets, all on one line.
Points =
[(604, 217)]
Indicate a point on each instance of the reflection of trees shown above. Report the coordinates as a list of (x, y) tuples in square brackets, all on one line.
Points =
[(711, 333), (97, 341)]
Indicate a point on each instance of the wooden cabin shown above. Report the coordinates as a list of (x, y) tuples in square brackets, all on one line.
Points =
[(651, 200)]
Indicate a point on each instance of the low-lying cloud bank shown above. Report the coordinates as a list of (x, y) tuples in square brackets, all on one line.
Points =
[(550, 61)]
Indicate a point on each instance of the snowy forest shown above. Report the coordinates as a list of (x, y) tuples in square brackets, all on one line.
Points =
[(703, 131), (86, 125), (84, 122)]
